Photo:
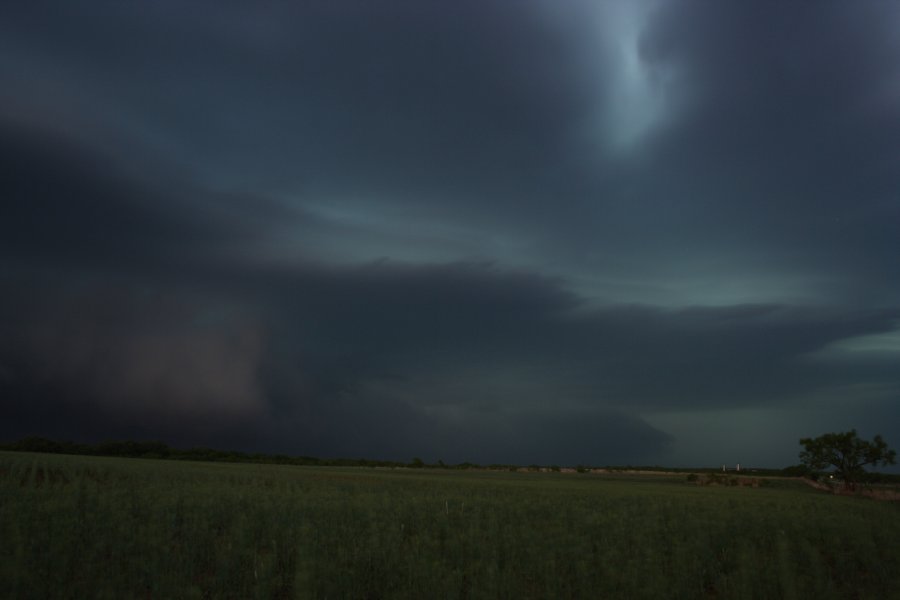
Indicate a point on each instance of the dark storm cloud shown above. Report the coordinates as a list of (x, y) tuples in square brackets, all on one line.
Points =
[(68, 201), (450, 321), (334, 369), (790, 135), (435, 353), (461, 361), (454, 230), (333, 102), (62, 203)]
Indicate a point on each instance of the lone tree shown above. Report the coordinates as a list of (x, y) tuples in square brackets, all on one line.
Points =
[(847, 453)]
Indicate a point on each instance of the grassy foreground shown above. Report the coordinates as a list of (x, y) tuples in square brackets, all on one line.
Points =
[(90, 527)]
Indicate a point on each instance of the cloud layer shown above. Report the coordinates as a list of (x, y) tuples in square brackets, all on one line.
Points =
[(580, 233)]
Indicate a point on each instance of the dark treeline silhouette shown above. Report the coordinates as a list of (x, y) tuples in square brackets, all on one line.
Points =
[(159, 450)]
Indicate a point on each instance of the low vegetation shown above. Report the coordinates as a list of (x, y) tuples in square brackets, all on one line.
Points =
[(102, 527)]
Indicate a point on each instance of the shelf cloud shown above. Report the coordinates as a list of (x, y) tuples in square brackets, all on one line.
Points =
[(571, 233)]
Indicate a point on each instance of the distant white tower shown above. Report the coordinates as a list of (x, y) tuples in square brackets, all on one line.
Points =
[(739, 466)]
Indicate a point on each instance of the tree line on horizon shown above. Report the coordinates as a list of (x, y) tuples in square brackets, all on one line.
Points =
[(160, 450)]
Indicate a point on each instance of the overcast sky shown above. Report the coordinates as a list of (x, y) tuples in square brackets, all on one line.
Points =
[(597, 232)]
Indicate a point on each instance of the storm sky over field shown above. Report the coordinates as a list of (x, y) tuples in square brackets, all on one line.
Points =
[(591, 232)]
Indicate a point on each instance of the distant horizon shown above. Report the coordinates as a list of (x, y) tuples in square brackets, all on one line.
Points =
[(427, 463)]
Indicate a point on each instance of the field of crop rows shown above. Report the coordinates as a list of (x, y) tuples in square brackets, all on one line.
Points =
[(91, 527)]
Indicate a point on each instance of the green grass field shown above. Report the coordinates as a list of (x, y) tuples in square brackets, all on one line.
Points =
[(89, 527)]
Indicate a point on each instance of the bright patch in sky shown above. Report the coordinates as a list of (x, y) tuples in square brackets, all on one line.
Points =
[(887, 344), (636, 93)]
